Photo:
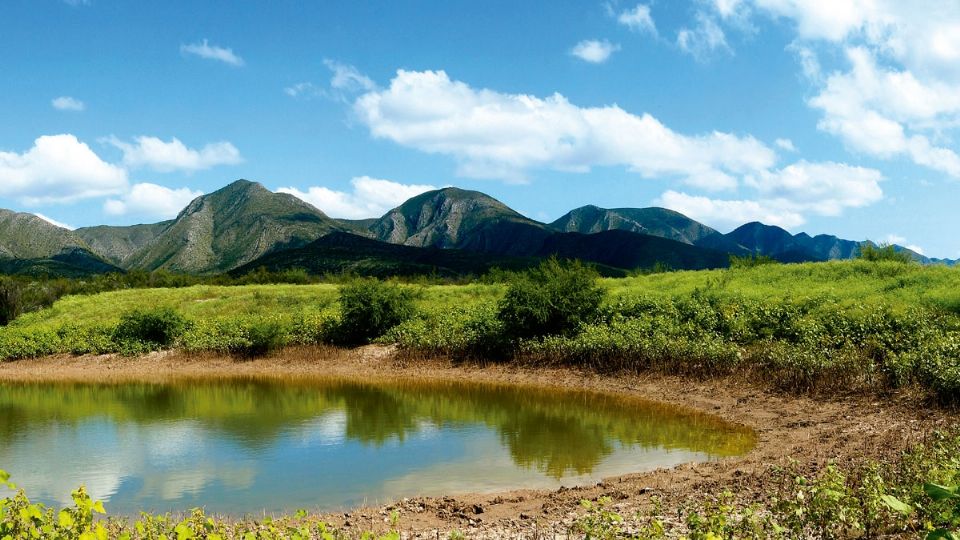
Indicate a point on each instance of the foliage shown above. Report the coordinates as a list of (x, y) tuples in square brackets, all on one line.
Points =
[(150, 329), (884, 252), (552, 299), (750, 261), (370, 307)]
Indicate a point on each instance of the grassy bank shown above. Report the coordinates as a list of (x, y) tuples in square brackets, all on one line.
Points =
[(838, 325)]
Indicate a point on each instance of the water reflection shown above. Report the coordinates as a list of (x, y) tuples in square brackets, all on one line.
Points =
[(248, 445)]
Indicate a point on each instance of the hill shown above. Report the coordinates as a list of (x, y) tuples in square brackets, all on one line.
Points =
[(629, 250), (775, 242), (117, 244), (340, 252), (231, 227), (652, 221), (460, 219)]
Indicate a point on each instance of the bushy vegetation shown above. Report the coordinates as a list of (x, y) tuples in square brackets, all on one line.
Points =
[(370, 307), (912, 496), (868, 324), (884, 252), (555, 298), (150, 329), (86, 520)]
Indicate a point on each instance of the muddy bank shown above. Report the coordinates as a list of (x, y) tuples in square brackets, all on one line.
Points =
[(808, 429)]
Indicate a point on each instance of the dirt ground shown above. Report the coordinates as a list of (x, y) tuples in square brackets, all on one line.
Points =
[(808, 429)]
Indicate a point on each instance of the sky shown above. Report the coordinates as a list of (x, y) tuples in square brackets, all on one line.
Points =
[(824, 116)]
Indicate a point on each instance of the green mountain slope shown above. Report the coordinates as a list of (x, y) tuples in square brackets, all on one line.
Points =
[(461, 219), (653, 221), (231, 227), (348, 253), (629, 250), (26, 236), (117, 244)]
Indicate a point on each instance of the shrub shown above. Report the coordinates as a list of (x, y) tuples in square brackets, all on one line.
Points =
[(152, 329), (370, 307), (884, 252), (11, 301), (264, 337), (553, 299)]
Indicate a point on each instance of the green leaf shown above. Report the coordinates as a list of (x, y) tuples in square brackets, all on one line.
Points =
[(896, 505), (98, 507), (65, 519), (942, 534), (940, 493)]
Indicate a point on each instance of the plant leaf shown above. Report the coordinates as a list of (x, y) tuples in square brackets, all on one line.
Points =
[(896, 505), (940, 493)]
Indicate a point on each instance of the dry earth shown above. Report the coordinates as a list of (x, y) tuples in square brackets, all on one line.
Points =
[(806, 428)]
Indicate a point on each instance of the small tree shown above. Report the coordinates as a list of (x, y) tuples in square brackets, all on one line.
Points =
[(156, 328), (884, 252), (554, 298), (369, 307), (11, 301)]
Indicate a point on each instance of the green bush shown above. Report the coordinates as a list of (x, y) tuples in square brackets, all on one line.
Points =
[(884, 252), (370, 307), (555, 298), (153, 329), (263, 337), (11, 301)]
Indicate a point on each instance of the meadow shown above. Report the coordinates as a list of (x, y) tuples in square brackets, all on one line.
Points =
[(842, 325)]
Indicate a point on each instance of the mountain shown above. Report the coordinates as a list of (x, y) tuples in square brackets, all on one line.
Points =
[(652, 221), (30, 245), (772, 241), (231, 227), (340, 252), (460, 219), (26, 236), (630, 250), (117, 244)]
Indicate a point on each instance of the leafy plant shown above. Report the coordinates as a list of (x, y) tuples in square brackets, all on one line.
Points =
[(156, 328), (370, 307), (555, 298)]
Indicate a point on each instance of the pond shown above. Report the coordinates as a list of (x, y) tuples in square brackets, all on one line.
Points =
[(244, 446)]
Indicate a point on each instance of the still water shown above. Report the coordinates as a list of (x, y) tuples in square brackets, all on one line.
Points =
[(255, 445)]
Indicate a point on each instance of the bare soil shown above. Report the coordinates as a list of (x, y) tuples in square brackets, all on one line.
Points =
[(807, 429)]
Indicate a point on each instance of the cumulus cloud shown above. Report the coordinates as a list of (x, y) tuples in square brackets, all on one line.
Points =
[(899, 94), (783, 197), (52, 221), (371, 197), (57, 169), (498, 135), (151, 201), (594, 51), (638, 19), (204, 49), (67, 103), (173, 155), (728, 213)]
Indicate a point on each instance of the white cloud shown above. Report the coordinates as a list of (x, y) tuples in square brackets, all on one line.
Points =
[(67, 103), (703, 39), (594, 51), (203, 49), (304, 90), (58, 168), (728, 213), (54, 222), (638, 19), (785, 196), (151, 201), (164, 156), (348, 78), (371, 197), (497, 135), (785, 144), (873, 110), (901, 241)]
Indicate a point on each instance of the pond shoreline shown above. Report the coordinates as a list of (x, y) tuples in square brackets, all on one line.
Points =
[(808, 429)]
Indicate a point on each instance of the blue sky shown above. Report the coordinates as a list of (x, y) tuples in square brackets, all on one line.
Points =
[(828, 117)]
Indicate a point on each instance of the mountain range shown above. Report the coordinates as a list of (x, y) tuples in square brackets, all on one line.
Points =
[(449, 231)]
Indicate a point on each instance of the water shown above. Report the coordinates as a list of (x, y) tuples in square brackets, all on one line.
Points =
[(265, 445)]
